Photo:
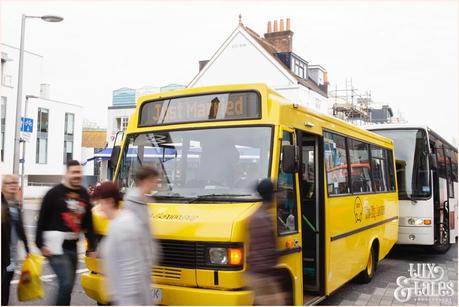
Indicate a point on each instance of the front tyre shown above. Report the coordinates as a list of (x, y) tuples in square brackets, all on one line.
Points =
[(367, 274)]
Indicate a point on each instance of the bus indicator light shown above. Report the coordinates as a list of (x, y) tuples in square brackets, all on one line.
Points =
[(235, 256), (427, 222)]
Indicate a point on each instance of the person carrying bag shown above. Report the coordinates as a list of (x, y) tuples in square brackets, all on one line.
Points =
[(30, 287)]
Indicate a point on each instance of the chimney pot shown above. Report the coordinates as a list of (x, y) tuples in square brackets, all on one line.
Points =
[(269, 27), (275, 26), (288, 24), (281, 25)]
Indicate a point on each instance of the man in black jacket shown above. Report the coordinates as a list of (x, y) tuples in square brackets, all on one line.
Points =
[(12, 232), (65, 212)]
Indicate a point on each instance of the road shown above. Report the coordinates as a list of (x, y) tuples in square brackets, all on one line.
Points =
[(380, 291)]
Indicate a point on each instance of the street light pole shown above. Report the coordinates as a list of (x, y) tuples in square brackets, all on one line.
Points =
[(17, 132), (24, 149)]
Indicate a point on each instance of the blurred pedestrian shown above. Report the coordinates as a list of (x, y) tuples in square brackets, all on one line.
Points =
[(262, 255), (12, 232), (90, 190), (65, 212), (129, 250)]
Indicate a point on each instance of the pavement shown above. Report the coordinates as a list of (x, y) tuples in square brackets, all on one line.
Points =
[(379, 292)]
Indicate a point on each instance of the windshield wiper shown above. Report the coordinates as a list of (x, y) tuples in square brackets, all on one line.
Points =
[(171, 196), (223, 196)]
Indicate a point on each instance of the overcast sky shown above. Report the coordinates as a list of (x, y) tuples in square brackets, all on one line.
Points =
[(405, 53)]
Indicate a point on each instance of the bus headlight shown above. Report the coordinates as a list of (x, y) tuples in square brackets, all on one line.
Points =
[(416, 221), (218, 255), (229, 256)]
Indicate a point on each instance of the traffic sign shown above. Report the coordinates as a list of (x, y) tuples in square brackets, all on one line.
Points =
[(26, 136), (26, 124)]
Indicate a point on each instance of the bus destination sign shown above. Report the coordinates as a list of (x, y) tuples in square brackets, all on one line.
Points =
[(209, 107)]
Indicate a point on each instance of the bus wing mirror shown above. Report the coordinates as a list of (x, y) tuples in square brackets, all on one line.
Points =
[(115, 156), (290, 162), (116, 149), (433, 161)]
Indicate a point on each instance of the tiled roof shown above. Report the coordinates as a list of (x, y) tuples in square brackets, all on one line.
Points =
[(309, 83)]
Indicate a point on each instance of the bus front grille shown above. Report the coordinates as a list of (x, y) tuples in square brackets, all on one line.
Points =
[(182, 254)]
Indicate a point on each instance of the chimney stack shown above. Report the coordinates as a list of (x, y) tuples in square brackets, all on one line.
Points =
[(280, 39)]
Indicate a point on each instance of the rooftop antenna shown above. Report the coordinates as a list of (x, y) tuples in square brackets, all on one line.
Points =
[(240, 18)]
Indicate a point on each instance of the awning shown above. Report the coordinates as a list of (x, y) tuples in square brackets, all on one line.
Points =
[(152, 153)]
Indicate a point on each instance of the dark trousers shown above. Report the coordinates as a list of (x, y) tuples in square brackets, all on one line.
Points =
[(64, 266), (7, 277)]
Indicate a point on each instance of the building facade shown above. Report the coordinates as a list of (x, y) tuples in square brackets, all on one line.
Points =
[(118, 114), (56, 130), (94, 140), (246, 57)]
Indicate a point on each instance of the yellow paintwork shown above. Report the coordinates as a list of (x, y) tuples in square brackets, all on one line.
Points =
[(344, 257)]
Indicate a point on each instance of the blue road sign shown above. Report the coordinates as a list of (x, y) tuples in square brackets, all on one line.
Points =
[(26, 124)]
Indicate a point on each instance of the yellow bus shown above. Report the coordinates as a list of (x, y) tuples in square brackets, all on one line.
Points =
[(336, 212)]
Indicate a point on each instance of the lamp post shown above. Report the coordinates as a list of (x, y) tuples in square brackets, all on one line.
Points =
[(17, 132), (24, 149)]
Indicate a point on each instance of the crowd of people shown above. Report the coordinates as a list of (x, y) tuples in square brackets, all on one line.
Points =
[(129, 251)]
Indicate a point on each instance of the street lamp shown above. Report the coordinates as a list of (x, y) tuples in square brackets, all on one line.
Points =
[(17, 132), (24, 149)]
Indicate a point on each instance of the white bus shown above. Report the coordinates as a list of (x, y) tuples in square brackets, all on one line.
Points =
[(427, 185)]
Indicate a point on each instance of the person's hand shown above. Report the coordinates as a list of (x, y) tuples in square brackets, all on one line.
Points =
[(45, 251)]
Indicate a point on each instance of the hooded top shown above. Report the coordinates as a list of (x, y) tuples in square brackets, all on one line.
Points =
[(130, 252)]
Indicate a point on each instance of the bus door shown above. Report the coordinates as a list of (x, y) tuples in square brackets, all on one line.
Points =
[(452, 197), (441, 202), (311, 212)]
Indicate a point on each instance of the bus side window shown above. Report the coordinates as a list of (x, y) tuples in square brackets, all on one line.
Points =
[(454, 165), (360, 167), (449, 173), (388, 154), (379, 169), (286, 196), (336, 164)]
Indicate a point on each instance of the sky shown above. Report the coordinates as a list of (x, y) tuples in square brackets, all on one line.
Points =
[(404, 52)]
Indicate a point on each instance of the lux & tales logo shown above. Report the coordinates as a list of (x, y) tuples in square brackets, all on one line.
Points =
[(425, 281)]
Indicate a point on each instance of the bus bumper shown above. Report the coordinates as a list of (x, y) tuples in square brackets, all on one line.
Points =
[(422, 235), (94, 286)]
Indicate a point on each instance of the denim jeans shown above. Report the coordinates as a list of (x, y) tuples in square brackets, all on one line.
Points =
[(64, 266)]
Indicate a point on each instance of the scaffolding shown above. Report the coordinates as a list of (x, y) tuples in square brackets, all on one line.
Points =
[(350, 105)]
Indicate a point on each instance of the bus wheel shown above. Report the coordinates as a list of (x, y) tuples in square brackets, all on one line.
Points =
[(367, 274)]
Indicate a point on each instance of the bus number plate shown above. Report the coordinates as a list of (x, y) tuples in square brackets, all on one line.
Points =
[(157, 295)]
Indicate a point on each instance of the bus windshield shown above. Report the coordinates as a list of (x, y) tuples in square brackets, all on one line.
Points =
[(216, 163), (412, 154)]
